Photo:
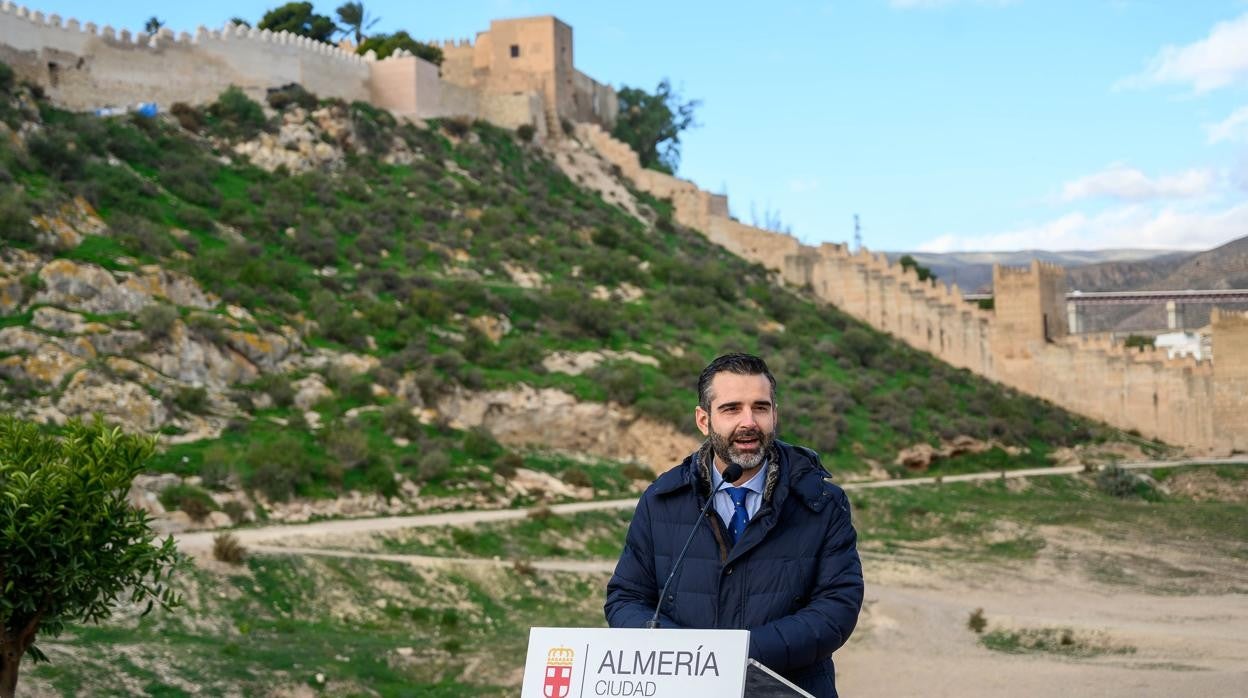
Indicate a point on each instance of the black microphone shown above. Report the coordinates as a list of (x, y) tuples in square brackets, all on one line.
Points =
[(730, 474)]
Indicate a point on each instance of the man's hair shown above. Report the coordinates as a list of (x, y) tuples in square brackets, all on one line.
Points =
[(741, 364)]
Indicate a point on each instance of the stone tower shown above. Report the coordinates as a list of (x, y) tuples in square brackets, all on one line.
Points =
[(1029, 306)]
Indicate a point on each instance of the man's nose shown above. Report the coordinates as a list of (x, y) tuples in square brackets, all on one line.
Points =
[(747, 418)]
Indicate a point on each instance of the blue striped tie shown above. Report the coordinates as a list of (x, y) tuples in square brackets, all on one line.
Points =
[(739, 517)]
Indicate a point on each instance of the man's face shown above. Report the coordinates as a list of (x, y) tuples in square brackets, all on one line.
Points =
[(742, 420)]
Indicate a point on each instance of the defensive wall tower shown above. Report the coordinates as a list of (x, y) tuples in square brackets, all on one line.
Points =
[(1023, 342), (530, 54), (1230, 388)]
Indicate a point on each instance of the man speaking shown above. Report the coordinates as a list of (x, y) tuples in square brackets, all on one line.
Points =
[(777, 554)]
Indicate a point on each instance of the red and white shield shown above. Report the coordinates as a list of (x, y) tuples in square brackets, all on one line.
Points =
[(558, 681)]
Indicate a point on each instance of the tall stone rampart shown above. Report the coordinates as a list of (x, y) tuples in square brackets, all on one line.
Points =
[(1023, 343), (84, 66)]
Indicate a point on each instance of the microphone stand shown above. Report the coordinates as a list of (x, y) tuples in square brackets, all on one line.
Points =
[(730, 475)]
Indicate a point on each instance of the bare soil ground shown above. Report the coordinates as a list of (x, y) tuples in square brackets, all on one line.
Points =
[(913, 638)]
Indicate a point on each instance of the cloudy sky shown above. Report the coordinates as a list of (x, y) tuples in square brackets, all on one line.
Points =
[(944, 124)]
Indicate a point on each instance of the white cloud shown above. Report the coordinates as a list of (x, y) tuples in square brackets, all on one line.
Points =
[(1233, 128), (1134, 226), (1121, 182), (1218, 60)]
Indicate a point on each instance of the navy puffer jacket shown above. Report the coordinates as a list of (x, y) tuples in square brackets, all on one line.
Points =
[(793, 579)]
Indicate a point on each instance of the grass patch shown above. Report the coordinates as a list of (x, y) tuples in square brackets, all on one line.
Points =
[(1059, 641)]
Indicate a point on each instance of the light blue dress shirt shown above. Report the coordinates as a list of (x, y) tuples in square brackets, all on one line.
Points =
[(753, 499)]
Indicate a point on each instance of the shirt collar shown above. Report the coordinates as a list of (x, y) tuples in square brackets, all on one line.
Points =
[(754, 484)]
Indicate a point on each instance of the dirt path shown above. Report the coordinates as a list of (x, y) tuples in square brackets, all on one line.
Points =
[(201, 541)]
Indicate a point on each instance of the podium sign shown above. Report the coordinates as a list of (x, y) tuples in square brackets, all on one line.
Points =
[(592, 662)]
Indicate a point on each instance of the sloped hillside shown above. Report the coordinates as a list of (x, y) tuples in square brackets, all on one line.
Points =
[(308, 297)]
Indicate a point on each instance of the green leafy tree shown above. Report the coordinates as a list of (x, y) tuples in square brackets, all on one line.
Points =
[(153, 25), (652, 124), (355, 20), (385, 44), (71, 546), (299, 18), (908, 262)]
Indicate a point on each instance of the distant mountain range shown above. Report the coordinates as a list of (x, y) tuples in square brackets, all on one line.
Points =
[(1108, 270)]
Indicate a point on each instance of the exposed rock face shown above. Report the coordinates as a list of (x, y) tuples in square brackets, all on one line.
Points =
[(65, 322), (186, 359), (574, 363), (921, 456), (553, 419), (264, 349), (531, 482), (93, 289), (121, 402), (65, 229), (522, 277), (309, 391), (46, 367)]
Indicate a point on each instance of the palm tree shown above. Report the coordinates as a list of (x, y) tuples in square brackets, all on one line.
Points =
[(153, 25), (355, 20)]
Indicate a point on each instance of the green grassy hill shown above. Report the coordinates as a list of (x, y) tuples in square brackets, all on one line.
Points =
[(402, 243)]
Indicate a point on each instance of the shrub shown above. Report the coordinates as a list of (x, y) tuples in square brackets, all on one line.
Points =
[(480, 444), (277, 386), (226, 548), (195, 501), (236, 510), (293, 93), (397, 420), (577, 478), (279, 467), (15, 215), (508, 463), (457, 126), (637, 471), (157, 320), (236, 115), (977, 622), (525, 132), (623, 381), (347, 443), (188, 117), (433, 464), (191, 400), (1118, 482)]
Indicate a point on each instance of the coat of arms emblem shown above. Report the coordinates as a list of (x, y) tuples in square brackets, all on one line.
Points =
[(558, 681)]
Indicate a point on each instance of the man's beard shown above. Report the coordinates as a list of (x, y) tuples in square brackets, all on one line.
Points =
[(727, 452)]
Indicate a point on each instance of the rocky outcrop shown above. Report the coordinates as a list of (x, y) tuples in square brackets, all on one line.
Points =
[(65, 228), (309, 391), (93, 289), (552, 419), (574, 363), (920, 457), (121, 402), (189, 360), (64, 322), (46, 366), (264, 349)]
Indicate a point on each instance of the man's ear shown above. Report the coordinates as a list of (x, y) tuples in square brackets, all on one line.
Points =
[(703, 420)]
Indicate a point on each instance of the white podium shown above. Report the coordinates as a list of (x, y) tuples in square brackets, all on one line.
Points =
[(592, 662)]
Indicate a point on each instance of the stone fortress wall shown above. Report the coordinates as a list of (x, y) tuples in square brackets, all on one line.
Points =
[(84, 66), (1023, 342)]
